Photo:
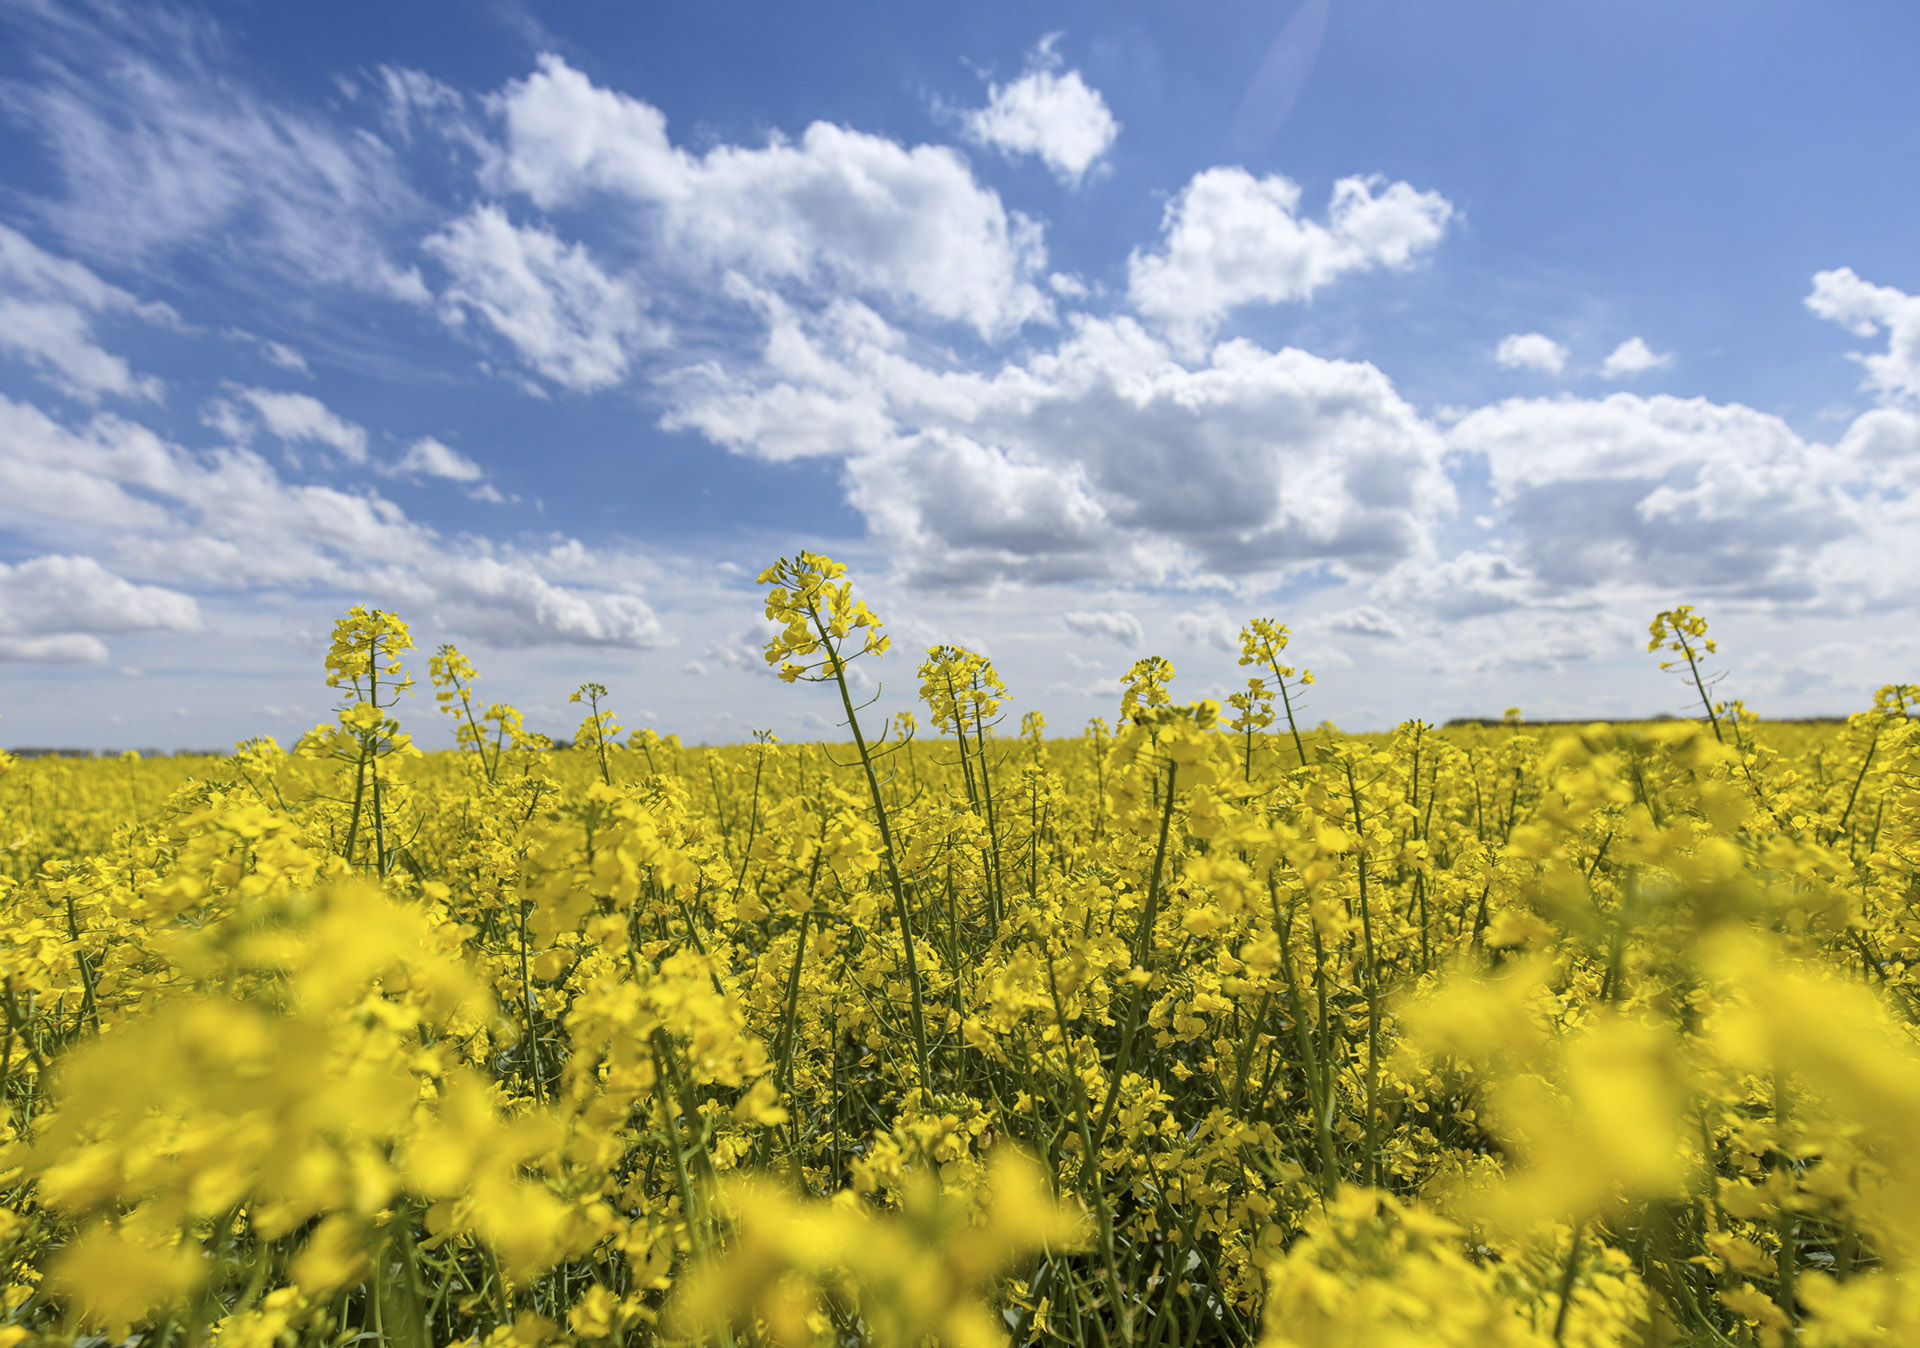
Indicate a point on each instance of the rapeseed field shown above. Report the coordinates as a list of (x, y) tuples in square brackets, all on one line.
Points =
[(1199, 1027)]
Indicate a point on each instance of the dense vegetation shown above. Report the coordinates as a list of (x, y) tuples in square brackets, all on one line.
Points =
[(1204, 1028)]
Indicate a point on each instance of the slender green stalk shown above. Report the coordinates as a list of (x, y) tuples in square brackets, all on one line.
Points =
[(904, 917), (1372, 1170), (1286, 700), (1319, 1090), (1142, 944), (1093, 1182), (1567, 1273), (1693, 668)]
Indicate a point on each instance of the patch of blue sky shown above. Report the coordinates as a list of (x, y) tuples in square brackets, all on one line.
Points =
[(1201, 312)]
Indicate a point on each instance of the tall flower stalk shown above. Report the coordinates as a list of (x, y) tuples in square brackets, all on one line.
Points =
[(820, 622)]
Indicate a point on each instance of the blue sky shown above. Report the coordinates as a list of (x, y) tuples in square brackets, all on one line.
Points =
[(1461, 339)]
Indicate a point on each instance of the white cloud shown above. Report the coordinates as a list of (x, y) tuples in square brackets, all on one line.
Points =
[(55, 609), (1698, 496), (1470, 584), (227, 521), (296, 418), (1230, 239), (964, 513), (509, 603), (1531, 351), (47, 309), (1865, 309), (428, 457), (743, 649), (1115, 625), (1886, 442), (413, 95), (28, 269), (1632, 357), (838, 209), (566, 137), (1367, 621), (566, 317), (58, 338), (816, 392), (66, 648), (1606, 510), (278, 353), (159, 149), (1046, 113), (1103, 456), (1211, 626), (853, 210)]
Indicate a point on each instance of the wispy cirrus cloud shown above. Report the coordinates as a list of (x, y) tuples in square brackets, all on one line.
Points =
[(160, 146)]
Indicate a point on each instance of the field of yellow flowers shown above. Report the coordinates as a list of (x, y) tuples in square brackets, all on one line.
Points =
[(1204, 1028)]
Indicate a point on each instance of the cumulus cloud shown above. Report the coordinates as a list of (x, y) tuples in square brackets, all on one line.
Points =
[(1700, 496), (1886, 443), (48, 306), (1604, 510), (1865, 309), (1632, 357), (1052, 115), (967, 513), (159, 149), (55, 609), (566, 317), (1116, 625), (1103, 456), (1531, 351), (836, 209), (1230, 239)]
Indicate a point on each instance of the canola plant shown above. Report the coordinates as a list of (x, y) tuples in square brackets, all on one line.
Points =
[(1201, 1028)]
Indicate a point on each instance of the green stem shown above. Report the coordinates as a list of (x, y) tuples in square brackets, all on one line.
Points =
[(1373, 983), (901, 913), (1566, 1283), (1142, 943)]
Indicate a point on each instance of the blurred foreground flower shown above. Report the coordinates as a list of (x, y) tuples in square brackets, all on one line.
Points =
[(926, 1270)]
